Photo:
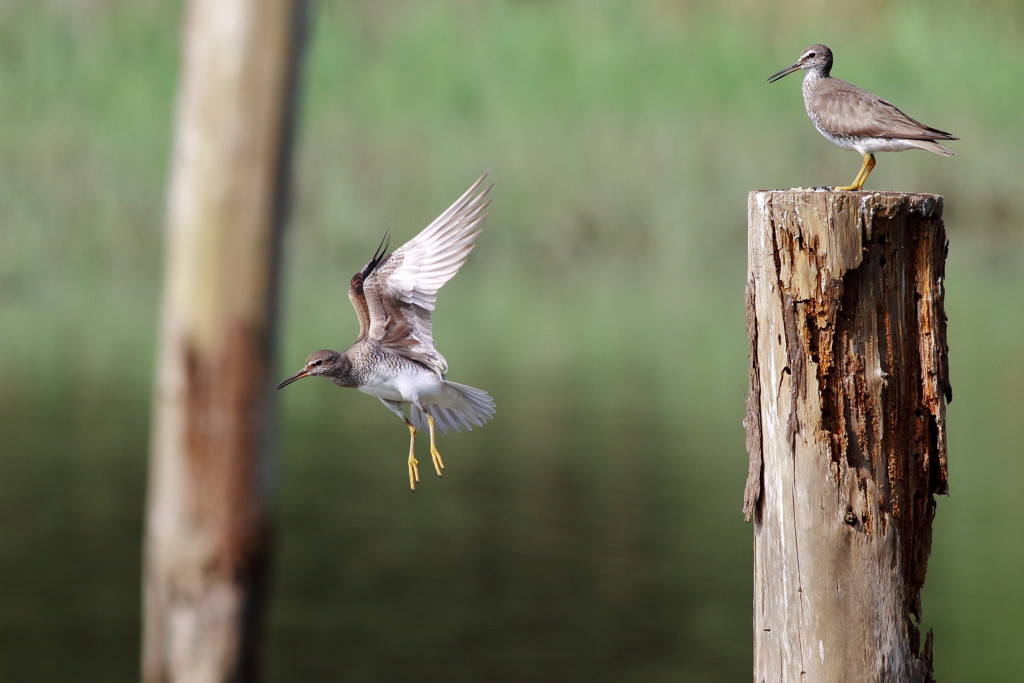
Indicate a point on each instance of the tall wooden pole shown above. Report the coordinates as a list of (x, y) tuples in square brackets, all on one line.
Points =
[(208, 526), (846, 430)]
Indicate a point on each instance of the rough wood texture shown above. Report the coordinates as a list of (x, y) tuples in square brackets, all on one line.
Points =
[(846, 430), (208, 526)]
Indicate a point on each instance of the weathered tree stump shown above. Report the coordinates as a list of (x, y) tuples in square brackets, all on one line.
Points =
[(208, 522), (846, 429)]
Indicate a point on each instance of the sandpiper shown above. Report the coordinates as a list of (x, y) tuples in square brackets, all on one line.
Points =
[(856, 119), (394, 357)]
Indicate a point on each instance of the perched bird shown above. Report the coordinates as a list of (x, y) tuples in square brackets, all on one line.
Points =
[(394, 357), (856, 119)]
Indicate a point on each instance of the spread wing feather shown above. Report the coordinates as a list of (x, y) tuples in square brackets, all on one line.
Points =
[(355, 289), (400, 289)]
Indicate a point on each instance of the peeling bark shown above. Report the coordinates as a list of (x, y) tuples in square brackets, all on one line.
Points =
[(845, 429)]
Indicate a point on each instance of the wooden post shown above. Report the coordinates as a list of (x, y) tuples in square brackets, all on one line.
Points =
[(846, 429), (208, 525)]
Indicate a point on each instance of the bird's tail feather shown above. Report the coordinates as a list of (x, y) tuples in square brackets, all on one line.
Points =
[(931, 146), (464, 407)]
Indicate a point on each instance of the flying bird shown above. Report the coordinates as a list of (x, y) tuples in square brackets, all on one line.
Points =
[(856, 119), (394, 357)]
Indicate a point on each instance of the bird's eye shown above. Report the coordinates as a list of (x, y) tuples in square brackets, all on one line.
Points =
[(318, 362), (812, 55)]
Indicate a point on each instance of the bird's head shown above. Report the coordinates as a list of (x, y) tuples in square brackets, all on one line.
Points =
[(326, 362), (816, 57)]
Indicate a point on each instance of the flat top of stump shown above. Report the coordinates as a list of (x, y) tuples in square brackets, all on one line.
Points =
[(850, 193), (845, 200)]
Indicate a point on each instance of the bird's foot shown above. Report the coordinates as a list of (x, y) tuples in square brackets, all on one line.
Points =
[(414, 472), (862, 174), (434, 454), (438, 462)]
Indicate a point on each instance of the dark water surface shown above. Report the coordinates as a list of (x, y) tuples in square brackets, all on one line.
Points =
[(591, 531), (573, 538)]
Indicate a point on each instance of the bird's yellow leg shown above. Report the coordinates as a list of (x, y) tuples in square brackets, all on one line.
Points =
[(862, 175), (414, 471), (438, 463)]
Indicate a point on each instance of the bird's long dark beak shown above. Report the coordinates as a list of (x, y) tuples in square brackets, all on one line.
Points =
[(785, 72), (297, 376)]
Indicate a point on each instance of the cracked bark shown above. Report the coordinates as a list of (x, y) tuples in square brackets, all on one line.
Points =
[(845, 429)]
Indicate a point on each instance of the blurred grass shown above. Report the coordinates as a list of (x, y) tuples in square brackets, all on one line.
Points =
[(622, 138)]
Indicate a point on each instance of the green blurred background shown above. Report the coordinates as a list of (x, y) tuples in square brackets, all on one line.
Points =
[(592, 531)]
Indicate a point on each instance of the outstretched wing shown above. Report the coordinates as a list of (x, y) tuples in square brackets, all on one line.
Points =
[(355, 289), (400, 291)]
